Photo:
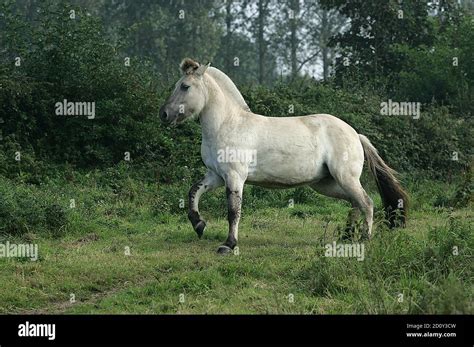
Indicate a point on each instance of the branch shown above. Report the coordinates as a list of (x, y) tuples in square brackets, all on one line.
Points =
[(311, 57)]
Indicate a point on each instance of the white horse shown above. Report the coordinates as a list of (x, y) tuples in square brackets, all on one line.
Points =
[(319, 150)]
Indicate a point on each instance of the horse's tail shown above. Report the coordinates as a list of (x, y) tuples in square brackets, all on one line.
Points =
[(394, 198)]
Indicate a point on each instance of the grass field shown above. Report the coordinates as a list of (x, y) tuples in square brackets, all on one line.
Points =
[(124, 248)]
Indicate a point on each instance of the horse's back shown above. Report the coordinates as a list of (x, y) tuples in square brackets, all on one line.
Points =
[(315, 126), (329, 121)]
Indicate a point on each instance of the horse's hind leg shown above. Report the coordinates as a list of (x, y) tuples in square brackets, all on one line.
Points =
[(329, 187), (353, 217), (209, 182), (359, 198)]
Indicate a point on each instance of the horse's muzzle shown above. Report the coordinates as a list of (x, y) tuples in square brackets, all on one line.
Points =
[(163, 114)]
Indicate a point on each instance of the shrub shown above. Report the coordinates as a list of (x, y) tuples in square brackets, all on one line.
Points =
[(26, 209)]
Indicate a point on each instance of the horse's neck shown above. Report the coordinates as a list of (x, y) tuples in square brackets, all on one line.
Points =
[(218, 111), (228, 87)]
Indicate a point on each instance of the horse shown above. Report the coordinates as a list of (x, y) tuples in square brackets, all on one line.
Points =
[(319, 150)]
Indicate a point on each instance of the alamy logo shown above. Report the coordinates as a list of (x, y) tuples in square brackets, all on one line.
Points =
[(37, 330), (345, 250), (69, 108), (236, 155), (395, 108), (13, 250)]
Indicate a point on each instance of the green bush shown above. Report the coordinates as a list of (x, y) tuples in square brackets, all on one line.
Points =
[(26, 209), (73, 59)]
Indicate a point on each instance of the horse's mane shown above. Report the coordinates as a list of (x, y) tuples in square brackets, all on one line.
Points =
[(228, 87)]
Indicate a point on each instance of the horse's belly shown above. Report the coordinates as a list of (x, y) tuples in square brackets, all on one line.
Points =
[(276, 185), (286, 173)]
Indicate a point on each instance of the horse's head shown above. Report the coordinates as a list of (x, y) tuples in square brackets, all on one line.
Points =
[(189, 96)]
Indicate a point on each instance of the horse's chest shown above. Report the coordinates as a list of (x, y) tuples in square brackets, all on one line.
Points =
[(209, 156)]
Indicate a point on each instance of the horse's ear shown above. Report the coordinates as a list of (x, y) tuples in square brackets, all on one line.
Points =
[(188, 66), (201, 69)]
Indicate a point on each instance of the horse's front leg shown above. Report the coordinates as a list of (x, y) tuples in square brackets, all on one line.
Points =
[(209, 182), (234, 190)]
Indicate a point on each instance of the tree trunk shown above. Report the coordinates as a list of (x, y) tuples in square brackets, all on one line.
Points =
[(324, 44), (228, 27), (261, 43), (294, 7)]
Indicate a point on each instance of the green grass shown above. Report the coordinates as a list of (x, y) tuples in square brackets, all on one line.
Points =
[(281, 254)]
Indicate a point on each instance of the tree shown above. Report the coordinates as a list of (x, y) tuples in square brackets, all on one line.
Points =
[(165, 31), (292, 37), (302, 33), (331, 23), (236, 55), (374, 27)]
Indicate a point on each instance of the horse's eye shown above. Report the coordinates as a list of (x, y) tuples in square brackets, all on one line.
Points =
[(184, 87)]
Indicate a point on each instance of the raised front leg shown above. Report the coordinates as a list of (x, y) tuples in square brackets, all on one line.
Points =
[(234, 190), (209, 182)]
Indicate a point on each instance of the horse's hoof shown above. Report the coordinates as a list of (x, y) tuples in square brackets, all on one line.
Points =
[(224, 249), (199, 228), (345, 238), (346, 234)]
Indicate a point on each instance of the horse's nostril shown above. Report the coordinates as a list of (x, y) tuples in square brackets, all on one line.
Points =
[(164, 115)]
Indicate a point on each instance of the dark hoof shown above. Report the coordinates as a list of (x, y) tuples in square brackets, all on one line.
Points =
[(348, 234), (224, 249), (345, 238), (199, 228)]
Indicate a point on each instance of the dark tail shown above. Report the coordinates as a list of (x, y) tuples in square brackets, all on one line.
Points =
[(394, 198)]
